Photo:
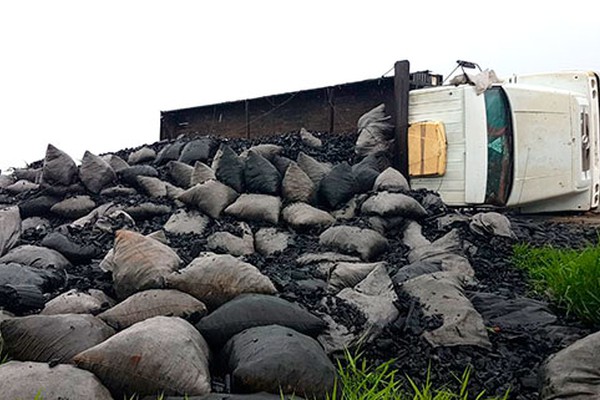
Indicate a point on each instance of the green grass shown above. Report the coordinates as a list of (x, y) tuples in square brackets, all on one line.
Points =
[(359, 381), (161, 397), (568, 277)]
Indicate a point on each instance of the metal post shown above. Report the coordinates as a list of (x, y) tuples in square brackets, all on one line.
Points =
[(401, 90), (247, 112), (330, 96), (167, 131), (163, 127)]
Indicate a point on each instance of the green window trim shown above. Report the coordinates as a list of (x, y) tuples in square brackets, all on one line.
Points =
[(500, 147)]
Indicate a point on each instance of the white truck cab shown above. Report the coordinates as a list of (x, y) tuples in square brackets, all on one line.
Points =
[(531, 143)]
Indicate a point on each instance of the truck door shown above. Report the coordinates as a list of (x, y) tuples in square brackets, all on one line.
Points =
[(455, 169)]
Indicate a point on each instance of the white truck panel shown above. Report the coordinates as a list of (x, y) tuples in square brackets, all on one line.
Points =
[(542, 165), (475, 146), (546, 146), (465, 179), (444, 104), (585, 84)]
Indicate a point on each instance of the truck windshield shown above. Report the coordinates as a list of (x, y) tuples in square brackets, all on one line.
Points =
[(500, 147)]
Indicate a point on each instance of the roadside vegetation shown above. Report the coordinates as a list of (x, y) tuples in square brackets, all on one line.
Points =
[(360, 381), (570, 278)]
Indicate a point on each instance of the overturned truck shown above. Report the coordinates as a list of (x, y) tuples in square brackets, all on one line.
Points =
[(530, 143), (227, 268)]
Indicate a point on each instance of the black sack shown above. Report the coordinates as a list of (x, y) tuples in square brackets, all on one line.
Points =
[(169, 153), (251, 310), (260, 175), (16, 274), (277, 359), (77, 253), (37, 206), (197, 150), (129, 175), (364, 176), (337, 187), (21, 298), (229, 169)]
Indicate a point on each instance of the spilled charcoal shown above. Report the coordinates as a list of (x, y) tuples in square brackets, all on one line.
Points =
[(203, 265)]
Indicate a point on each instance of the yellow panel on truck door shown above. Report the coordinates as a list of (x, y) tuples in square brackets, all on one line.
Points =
[(427, 149)]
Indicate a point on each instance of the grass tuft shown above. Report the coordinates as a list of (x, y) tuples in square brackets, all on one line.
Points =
[(359, 381), (568, 277), (159, 397)]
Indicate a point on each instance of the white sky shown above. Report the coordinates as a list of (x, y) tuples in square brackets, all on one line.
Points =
[(86, 75)]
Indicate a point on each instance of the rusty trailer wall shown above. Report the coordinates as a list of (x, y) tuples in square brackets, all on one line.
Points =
[(333, 109)]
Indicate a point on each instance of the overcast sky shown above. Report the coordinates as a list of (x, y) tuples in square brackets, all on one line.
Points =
[(86, 75)]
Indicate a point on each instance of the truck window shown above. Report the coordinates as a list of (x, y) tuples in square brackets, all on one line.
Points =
[(500, 147)]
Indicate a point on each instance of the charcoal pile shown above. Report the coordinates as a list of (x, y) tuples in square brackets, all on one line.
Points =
[(201, 265)]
